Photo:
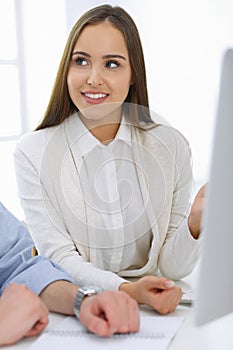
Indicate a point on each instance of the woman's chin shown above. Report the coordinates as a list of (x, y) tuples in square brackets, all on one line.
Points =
[(101, 111)]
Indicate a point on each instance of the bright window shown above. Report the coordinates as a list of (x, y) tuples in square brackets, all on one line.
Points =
[(32, 37)]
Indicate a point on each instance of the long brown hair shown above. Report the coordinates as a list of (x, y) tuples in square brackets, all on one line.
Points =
[(61, 106)]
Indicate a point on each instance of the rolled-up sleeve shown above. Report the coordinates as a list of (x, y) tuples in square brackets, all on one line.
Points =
[(16, 262)]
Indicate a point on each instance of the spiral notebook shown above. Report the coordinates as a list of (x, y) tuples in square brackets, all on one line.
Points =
[(156, 332)]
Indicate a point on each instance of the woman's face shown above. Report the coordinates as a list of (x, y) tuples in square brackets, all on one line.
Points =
[(99, 72)]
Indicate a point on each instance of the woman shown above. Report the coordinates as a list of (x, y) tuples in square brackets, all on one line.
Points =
[(105, 189)]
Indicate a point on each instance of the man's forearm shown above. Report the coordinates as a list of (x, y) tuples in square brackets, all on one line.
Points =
[(59, 297)]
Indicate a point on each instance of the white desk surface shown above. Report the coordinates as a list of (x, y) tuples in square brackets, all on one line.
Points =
[(214, 335)]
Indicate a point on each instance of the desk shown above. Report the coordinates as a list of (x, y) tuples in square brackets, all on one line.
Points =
[(215, 335)]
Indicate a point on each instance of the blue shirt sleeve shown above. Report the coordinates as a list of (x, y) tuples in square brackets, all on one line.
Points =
[(16, 261)]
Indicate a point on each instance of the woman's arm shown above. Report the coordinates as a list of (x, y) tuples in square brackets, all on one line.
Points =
[(48, 229), (180, 250)]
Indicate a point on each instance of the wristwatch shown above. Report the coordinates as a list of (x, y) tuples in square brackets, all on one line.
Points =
[(83, 292)]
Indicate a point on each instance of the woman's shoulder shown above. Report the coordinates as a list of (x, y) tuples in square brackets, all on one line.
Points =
[(35, 141)]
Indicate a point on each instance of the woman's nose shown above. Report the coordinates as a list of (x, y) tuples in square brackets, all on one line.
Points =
[(94, 78)]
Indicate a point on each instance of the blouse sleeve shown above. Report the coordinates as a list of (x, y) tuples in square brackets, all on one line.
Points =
[(49, 232), (180, 250)]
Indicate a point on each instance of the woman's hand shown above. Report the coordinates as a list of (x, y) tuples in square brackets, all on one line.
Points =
[(22, 314), (158, 292), (195, 217)]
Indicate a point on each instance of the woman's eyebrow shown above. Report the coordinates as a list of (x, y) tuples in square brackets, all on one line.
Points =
[(81, 53), (114, 56), (105, 56)]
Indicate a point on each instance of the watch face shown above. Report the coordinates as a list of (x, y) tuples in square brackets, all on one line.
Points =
[(90, 290), (82, 293)]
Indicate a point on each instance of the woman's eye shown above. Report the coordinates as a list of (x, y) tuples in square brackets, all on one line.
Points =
[(112, 64), (81, 61)]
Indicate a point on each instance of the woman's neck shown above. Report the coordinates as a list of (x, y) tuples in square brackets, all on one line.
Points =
[(104, 129), (105, 133)]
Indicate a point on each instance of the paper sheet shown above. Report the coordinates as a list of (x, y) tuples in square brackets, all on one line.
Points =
[(156, 332)]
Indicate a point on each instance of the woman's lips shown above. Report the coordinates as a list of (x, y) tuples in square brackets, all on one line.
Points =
[(94, 97)]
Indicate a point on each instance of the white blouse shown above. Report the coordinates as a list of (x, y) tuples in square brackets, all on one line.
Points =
[(117, 223)]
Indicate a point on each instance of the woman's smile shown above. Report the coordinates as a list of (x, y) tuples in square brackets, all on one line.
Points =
[(94, 97)]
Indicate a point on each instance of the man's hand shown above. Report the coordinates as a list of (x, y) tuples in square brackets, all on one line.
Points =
[(22, 314), (159, 293), (110, 312)]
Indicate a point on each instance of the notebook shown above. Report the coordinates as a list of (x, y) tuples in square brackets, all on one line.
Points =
[(156, 332)]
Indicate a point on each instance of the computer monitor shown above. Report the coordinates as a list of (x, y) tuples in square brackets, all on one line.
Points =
[(214, 295)]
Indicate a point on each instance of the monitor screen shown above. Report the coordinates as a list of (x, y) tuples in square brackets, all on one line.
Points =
[(215, 285)]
